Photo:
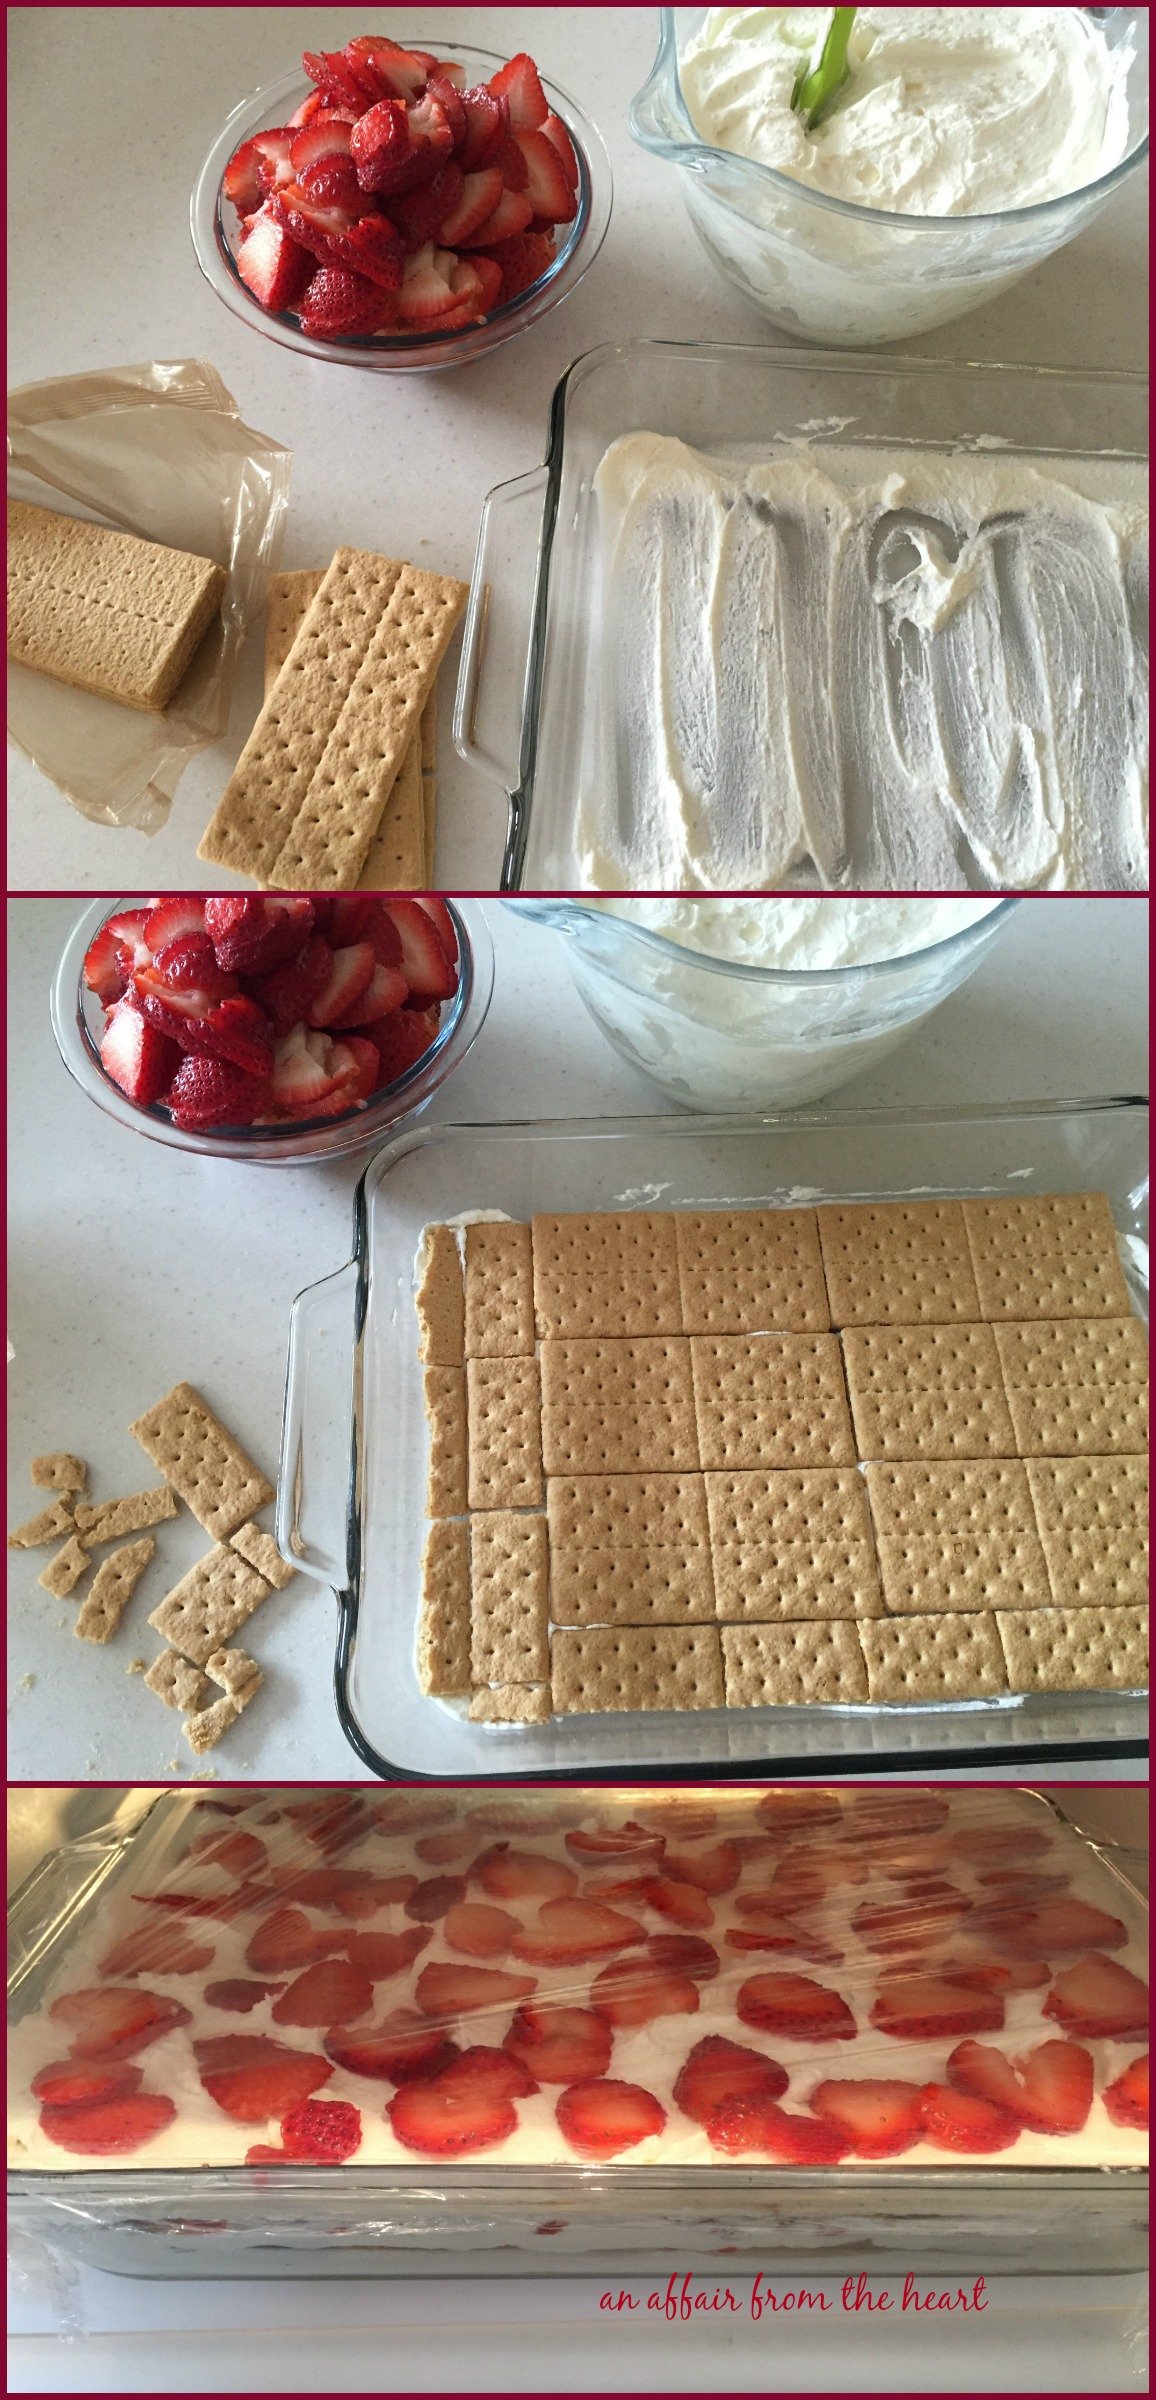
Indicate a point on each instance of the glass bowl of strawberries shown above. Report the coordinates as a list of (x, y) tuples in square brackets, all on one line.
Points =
[(389, 208), (272, 1029)]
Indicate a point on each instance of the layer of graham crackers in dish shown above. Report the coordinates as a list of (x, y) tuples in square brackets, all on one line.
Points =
[(105, 611)]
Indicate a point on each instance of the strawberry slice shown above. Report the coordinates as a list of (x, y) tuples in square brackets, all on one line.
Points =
[(1126, 2100), (487, 116), (287, 1940), (928, 2008), (955, 2121), (909, 1925), (757, 2123), (287, 993), (334, 1992), (385, 991), (600, 2118), (303, 1083), (556, 133), (523, 1875), (717, 2070), (383, 1955), (877, 2119), (211, 1091), (251, 2077), (111, 2023), (382, 149), (683, 1903), (794, 2005), (336, 78), (138, 1058), (401, 1040), (624, 1841), (80, 2083), (786, 1939), (568, 1932), (446, 1849), (333, 183), (512, 215), (637, 1991), (404, 2048), (420, 215), (107, 967), (271, 264), (446, 2121), (350, 974), (519, 84), (384, 66), (785, 1814), (274, 166), (324, 2131), (1049, 2090), (1058, 1925), (427, 294), (1099, 1996), (239, 1031), (479, 1931), (352, 1891), (157, 1949), (109, 2127), (477, 199), (497, 2072), (331, 139), (337, 304), (237, 1996), (560, 2045), (548, 190), (716, 1870), (447, 1991), (519, 261), (179, 916), (432, 1899), (237, 1852), (241, 181), (684, 1954), (986, 1845), (880, 1814), (251, 933)]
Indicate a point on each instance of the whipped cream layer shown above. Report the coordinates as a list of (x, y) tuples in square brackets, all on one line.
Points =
[(803, 935), (947, 111), (900, 670)]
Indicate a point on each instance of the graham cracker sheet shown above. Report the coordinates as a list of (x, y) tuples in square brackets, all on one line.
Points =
[(103, 610), (509, 1581), (203, 1461), (927, 1391), (1078, 1386), (606, 1274), (773, 1665), (1048, 1255), (260, 1550), (505, 1429), (751, 1270), (770, 1400), (444, 1618), (963, 1530), (1092, 1515), (512, 1704), (609, 1668), (790, 1545), (940, 1657), (624, 1405), (629, 1550), (1075, 1649), (209, 1604), (898, 1262), (112, 1518), (447, 1492), (499, 1295), (441, 1299), (113, 1586)]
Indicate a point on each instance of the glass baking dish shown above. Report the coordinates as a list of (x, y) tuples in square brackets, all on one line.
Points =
[(351, 1505), (485, 2216), (526, 713)]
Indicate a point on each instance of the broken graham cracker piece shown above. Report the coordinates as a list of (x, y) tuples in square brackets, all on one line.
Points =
[(1079, 1385), (443, 1632), (177, 1683), (751, 1270), (792, 1545), (440, 1299), (609, 1274), (65, 1568), (103, 610), (1051, 1254), (1092, 1515), (46, 1526), (898, 1262), (260, 1550), (769, 1665), (235, 1673), (209, 1604), (933, 1657), (445, 1407), (202, 1461), (504, 1408), (512, 1704), (499, 1319), (771, 1400), (927, 1391), (959, 1534), (204, 1729), (509, 1580), (59, 1471), (109, 1519), (1075, 1649), (629, 1550), (396, 858), (113, 1586), (617, 1406), (310, 787), (598, 1668)]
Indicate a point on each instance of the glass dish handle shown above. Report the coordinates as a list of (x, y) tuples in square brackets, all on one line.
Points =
[(497, 629), (317, 1438)]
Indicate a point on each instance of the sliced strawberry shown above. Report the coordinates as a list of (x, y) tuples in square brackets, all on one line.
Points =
[(448, 1991), (976, 1972), (487, 117), (308, 110), (334, 1992), (157, 1949), (786, 1813), (510, 216), (716, 1870), (241, 181), (274, 165), (600, 2118), (523, 1875), (448, 2122), (986, 1845), (239, 1031), (426, 291), (178, 917), (1050, 2093), (497, 2072), (382, 150), (384, 66), (106, 967), (560, 2045), (112, 2023), (624, 1841), (80, 2083), (420, 215), (337, 304), (287, 993), (928, 2008), (683, 1903), (519, 262), (325, 2131), (449, 100), (548, 190), (368, 1066), (271, 264), (350, 974), (109, 2127), (403, 2048), (237, 1996), (477, 199), (570, 1932), (449, 1848), (881, 1813), (401, 1040), (211, 1091), (1126, 2100), (328, 140), (909, 1925), (556, 132), (335, 77), (788, 1940), (877, 2119), (251, 934), (251, 2077), (795, 2005), (755, 2122), (684, 1954), (1099, 1996), (137, 1057), (637, 1991), (717, 2070), (303, 1084), (519, 84), (479, 1931), (383, 1955), (385, 992), (236, 1851), (1058, 1925), (955, 2121), (333, 183), (287, 1940), (432, 1899)]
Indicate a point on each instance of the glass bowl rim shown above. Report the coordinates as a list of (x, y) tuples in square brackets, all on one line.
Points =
[(557, 912)]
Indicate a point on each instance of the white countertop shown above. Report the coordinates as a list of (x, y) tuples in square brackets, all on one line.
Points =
[(400, 464), (133, 1267)]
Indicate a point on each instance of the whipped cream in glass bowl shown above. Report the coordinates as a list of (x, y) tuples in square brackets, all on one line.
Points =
[(748, 1004), (966, 145)]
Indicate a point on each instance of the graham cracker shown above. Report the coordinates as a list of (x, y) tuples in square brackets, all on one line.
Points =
[(445, 1408), (177, 1683), (395, 860), (771, 1400), (440, 1301), (260, 1550), (627, 1512), (606, 1274), (1075, 1649), (202, 1461), (113, 1586), (629, 1550), (235, 1673), (769, 1665), (933, 1657), (308, 791), (504, 1408), (509, 1581), (429, 784), (751, 1270), (288, 596), (957, 1535), (1092, 1515), (1076, 1386), (47, 1526), (241, 1679), (65, 1568), (1050, 1254), (512, 1704), (783, 1582), (499, 1291), (105, 611), (817, 1504), (604, 1668), (209, 1604), (443, 1637), (898, 1262), (59, 1471), (625, 1406), (927, 1391), (112, 1518)]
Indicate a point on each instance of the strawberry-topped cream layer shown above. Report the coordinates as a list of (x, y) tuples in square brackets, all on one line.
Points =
[(747, 1978)]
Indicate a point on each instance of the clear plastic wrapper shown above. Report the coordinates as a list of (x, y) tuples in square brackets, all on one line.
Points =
[(158, 450)]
